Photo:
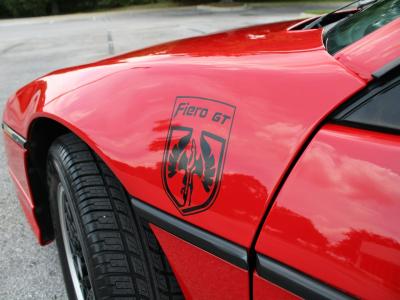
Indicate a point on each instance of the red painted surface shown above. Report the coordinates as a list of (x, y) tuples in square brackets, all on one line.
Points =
[(16, 158), (200, 274), (385, 41), (265, 290), (283, 84), (336, 217), (123, 113)]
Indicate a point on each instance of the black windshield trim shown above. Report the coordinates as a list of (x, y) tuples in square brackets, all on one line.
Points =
[(385, 82)]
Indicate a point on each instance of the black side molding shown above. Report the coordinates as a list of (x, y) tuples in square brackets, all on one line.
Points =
[(20, 140), (294, 281), (389, 67), (282, 275), (233, 253)]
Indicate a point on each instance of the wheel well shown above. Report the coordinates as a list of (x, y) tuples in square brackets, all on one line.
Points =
[(42, 134)]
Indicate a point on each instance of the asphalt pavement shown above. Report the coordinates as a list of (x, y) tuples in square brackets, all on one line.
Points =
[(32, 47)]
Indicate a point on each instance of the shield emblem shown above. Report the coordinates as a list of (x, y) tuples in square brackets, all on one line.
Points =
[(195, 152)]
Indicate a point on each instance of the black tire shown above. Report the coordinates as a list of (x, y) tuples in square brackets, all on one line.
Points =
[(116, 255)]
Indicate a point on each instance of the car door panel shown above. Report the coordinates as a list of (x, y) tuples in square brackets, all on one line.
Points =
[(336, 217), (263, 290)]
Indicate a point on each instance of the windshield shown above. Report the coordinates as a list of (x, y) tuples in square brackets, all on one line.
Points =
[(361, 24)]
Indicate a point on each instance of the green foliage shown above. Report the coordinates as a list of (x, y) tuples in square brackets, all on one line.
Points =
[(119, 3), (3, 11), (74, 5), (193, 2), (29, 8), (24, 8)]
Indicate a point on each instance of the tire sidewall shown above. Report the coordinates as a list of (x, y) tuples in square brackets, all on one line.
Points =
[(57, 174)]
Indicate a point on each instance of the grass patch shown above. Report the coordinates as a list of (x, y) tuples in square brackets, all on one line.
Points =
[(318, 11), (159, 4), (225, 4)]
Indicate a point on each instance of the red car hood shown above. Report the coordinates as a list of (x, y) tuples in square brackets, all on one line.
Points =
[(238, 46), (276, 37)]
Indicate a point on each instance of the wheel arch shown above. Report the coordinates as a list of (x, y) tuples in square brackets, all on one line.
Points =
[(42, 132)]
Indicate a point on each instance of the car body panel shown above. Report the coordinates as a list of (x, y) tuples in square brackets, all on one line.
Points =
[(16, 158), (385, 41), (195, 269), (34, 96), (264, 290), (267, 119), (282, 83), (108, 114), (339, 209)]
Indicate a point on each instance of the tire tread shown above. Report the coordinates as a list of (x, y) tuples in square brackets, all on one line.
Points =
[(119, 243)]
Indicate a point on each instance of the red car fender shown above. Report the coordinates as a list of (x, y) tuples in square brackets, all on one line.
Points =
[(124, 107), (124, 113), (132, 142)]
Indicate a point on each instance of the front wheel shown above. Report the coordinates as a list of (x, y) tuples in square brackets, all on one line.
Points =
[(106, 251)]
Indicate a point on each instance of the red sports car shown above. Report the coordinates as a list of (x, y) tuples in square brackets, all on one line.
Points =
[(258, 163)]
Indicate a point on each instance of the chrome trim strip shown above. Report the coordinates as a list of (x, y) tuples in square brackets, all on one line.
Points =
[(16, 137)]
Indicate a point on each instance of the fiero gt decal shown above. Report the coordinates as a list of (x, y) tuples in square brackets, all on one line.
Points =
[(195, 151)]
